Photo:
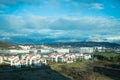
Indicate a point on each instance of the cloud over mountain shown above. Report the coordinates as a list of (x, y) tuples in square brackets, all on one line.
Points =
[(56, 20), (50, 27)]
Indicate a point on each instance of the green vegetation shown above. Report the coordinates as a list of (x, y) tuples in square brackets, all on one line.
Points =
[(108, 57)]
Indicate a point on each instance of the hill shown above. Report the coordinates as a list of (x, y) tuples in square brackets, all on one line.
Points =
[(5, 45), (84, 44)]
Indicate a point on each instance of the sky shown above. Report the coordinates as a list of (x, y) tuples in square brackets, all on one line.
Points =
[(59, 20)]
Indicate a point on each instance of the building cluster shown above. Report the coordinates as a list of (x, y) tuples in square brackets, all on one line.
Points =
[(38, 55), (23, 60), (67, 58), (46, 50), (37, 59)]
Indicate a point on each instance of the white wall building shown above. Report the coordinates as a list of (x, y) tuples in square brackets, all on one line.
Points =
[(25, 59), (25, 47), (99, 49), (46, 51), (87, 56), (19, 51), (13, 60), (86, 49), (1, 59), (62, 50)]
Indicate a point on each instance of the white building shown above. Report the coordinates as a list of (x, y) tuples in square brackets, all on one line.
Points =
[(19, 51), (99, 49), (46, 51), (86, 49), (62, 50), (1, 59), (61, 57), (87, 56), (18, 63), (25, 47), (79, 56), (13, 60), (32, 59), (25, 59)]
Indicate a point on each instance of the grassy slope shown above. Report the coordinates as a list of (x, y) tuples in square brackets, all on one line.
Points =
[(84, 71), (65, 69)]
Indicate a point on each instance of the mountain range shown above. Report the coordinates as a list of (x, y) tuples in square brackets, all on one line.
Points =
[(5, 45), (29, 40)]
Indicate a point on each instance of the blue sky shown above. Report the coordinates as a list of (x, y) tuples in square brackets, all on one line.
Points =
[(60, 20)]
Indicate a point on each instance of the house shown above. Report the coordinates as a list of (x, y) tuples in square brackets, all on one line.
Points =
[(25, 47), (70, 58), (1, 59), (46, 50), (30, 59), (33, 59), (13, 59), (53, 57), (87, 49), (23, 58), (18, 63), (42, 61), (61, 57), (59, 50), (18, 51), (87, 56), (79, 56)]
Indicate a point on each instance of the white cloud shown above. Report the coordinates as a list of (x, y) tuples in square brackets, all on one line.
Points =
[(59, 27), (11, 34), (5, 38), (97, 6), (114, 38)]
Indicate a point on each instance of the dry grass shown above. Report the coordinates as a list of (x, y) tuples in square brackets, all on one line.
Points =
[(80, 71)]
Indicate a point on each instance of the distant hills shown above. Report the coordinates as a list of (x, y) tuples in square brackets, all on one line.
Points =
[(5, 45), (84, 44), (30, 40)]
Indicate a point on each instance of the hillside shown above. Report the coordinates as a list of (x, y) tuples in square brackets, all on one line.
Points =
[(84, 44), (5, 45), (88, 71)]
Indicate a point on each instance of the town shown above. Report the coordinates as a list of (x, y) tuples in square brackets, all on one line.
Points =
[(35, 56)]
